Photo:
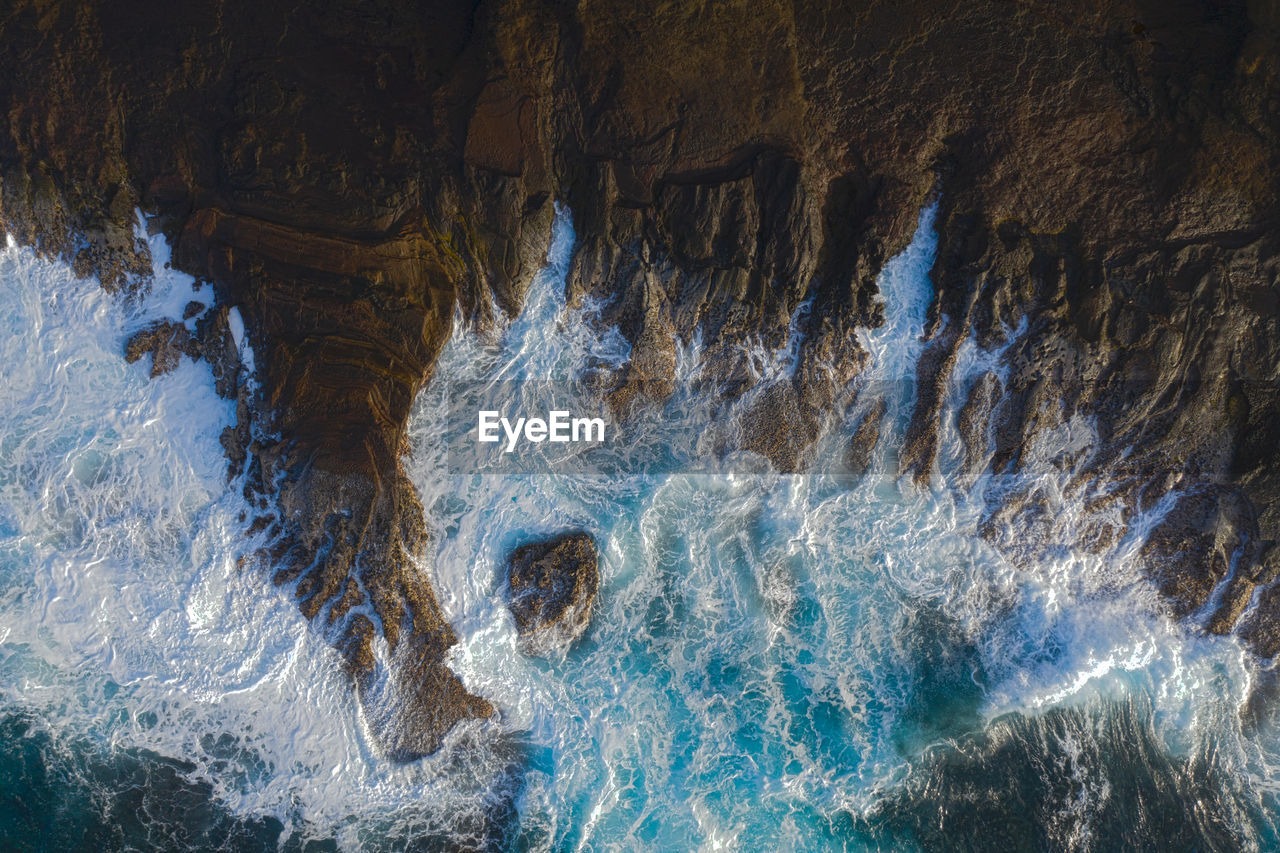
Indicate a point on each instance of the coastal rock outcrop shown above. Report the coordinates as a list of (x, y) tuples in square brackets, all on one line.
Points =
[(166, 341), (551, 586)]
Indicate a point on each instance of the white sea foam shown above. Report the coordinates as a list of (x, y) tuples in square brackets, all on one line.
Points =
[(123, 615)]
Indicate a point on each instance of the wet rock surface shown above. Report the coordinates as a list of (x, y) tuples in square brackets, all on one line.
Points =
[(974, 421), (1196, 547), (167, 342), (857, 456), (1106, 175), (551, 586)]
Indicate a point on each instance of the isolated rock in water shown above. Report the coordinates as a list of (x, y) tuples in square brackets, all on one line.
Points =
[(779, 427), (166, 341), (551, 586)]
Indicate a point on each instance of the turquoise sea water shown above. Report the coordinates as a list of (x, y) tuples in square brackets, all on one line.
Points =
[(776, 662)]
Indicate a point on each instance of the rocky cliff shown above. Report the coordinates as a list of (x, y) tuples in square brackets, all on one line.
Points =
[(350, 175)]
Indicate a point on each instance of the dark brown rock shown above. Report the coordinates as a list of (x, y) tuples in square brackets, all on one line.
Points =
[(166, 341), (551, 586), (217, 345), (1198, 545), (933, 374)]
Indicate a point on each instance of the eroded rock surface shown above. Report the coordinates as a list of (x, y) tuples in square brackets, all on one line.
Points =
[(1107, 177), (166, 341), (551, 586), (857, 457)]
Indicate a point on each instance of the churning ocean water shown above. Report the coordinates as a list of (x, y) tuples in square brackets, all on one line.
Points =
[(775, 662)]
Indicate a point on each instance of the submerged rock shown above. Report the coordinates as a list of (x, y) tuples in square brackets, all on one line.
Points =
[(550, 587)]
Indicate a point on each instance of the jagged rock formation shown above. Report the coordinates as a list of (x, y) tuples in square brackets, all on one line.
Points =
[(857, 456), (551, 586), (166, 341), (346, 177)]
